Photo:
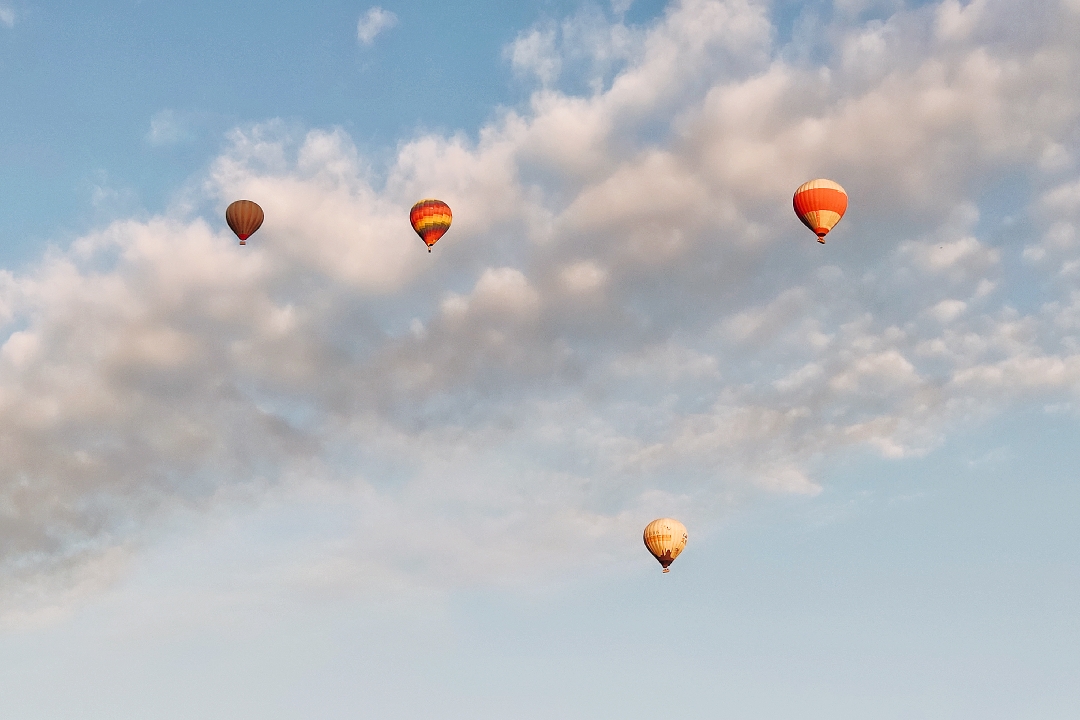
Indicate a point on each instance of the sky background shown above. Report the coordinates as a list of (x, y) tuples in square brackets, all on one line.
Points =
[(329, 475)]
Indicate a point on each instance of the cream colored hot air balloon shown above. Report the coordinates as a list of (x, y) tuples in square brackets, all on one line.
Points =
[(665, 539)]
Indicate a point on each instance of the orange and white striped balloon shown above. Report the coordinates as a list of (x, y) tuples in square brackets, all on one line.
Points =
[(820, 204)]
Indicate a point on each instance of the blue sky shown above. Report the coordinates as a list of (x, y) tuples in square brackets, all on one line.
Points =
[(85, 83), (330, 475)]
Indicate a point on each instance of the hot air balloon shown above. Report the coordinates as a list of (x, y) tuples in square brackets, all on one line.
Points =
[(244, 217), (665, 539), (430, 219), (820, 204)]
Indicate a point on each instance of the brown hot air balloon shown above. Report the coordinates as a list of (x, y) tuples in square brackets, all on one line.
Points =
[(244, 217), (665, 539)]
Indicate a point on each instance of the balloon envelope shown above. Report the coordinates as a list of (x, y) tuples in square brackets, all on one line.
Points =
[(430, 219), (244, 217), (820, 204), (665, 539)]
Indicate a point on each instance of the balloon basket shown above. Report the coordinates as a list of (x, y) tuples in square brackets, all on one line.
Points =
[(667, 569)]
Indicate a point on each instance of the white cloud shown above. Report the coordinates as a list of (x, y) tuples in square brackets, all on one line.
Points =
[(373, 22), (535, 52), (584, 277), (7, 16), (948, 310), (624, 313), (956, 22), (167, 127)]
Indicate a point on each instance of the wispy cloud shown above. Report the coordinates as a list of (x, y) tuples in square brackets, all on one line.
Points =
[(7, 16), (535, 52), (168, 127), (373, 22)]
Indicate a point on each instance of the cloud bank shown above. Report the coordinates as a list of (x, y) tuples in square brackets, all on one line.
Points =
[(624, 321)]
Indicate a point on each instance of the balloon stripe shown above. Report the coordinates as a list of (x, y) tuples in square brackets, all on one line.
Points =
[(819, 183), (825, 220), (820, 199)]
